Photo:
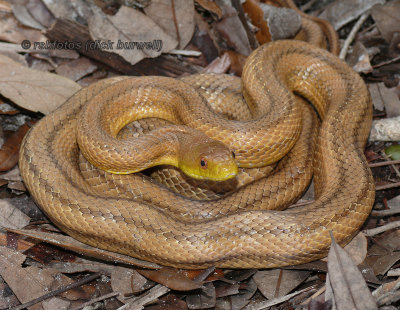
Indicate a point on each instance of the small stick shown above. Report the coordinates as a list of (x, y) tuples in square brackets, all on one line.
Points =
[(100, 298), (382, 213), (149, 296), (387, 186), (352, 35), (388, 62), (379, 230), (393, 166), (385, 163), (308, 5), (316, 294), (58, 291)]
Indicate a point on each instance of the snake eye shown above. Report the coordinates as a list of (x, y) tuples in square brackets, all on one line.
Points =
[(203, 163)]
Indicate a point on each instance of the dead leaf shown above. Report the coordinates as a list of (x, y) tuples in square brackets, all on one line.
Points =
[(278, 282), (133, 35), (204, 299), (387, 18), (128, 281), (357, 248), (341, 12), (7, 298), (11, 217), (12, 31), (358, 59), (283, 23), (387, 293), (162, 13), (232, 30), (383, 97), (76, 69), (9, 152), (210, 6), (21, 12), (171, 278), (55, 303), (34, 90), (218, 65), (36, 281), (256, 14), (13, 241), (350, 290), (72, 10)]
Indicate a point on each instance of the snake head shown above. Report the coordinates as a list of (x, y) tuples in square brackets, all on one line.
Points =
[(207, 159)]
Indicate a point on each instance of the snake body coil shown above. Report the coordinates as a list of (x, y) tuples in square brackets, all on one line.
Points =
[(133, 215)]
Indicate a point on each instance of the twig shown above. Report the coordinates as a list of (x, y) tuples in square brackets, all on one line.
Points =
[(308, 5), (185, 53), (388, 62), (385, 163), (275, 301), (151, 295), (88, 303), (387, 186), (250, 35), (352, 35), (379, 230), (393, 272), (382, 213), (393, 166), (316, 294), (58, 291)]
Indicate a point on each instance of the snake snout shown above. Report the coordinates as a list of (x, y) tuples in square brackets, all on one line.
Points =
[(207, 159)]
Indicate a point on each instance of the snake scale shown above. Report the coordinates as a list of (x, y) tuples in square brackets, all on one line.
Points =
[(133, 215)]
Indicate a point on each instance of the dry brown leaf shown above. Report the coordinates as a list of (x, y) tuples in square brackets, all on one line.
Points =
[(358, 59), (128, 281), (76, 69), (341, 12), (268, 281), (387, 18), (36, 281), (218, 65), (256, 14), (171, 278), (55, 303), (12, 31), (283, 23), (232, 30), (210, 6), (34, 90), (11, 217), (203, 299), (385, 98), (23, 15), (161, 12), (9, 152), (130, 30), (72, 10), (350, 290), (357, 248), (387, 293)]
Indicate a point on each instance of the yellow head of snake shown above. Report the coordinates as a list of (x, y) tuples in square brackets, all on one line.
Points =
[(207, 159)]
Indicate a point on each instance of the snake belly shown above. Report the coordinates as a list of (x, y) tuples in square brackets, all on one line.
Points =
[(237, 231)]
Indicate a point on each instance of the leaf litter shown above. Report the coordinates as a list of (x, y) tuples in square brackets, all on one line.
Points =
[(363, 276)]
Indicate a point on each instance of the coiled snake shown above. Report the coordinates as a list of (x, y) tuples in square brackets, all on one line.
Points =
[(133, 215)]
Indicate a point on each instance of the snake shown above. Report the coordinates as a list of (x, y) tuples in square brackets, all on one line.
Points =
[(132, 214)]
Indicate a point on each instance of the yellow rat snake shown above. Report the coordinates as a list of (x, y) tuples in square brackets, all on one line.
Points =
[(133, 215)]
